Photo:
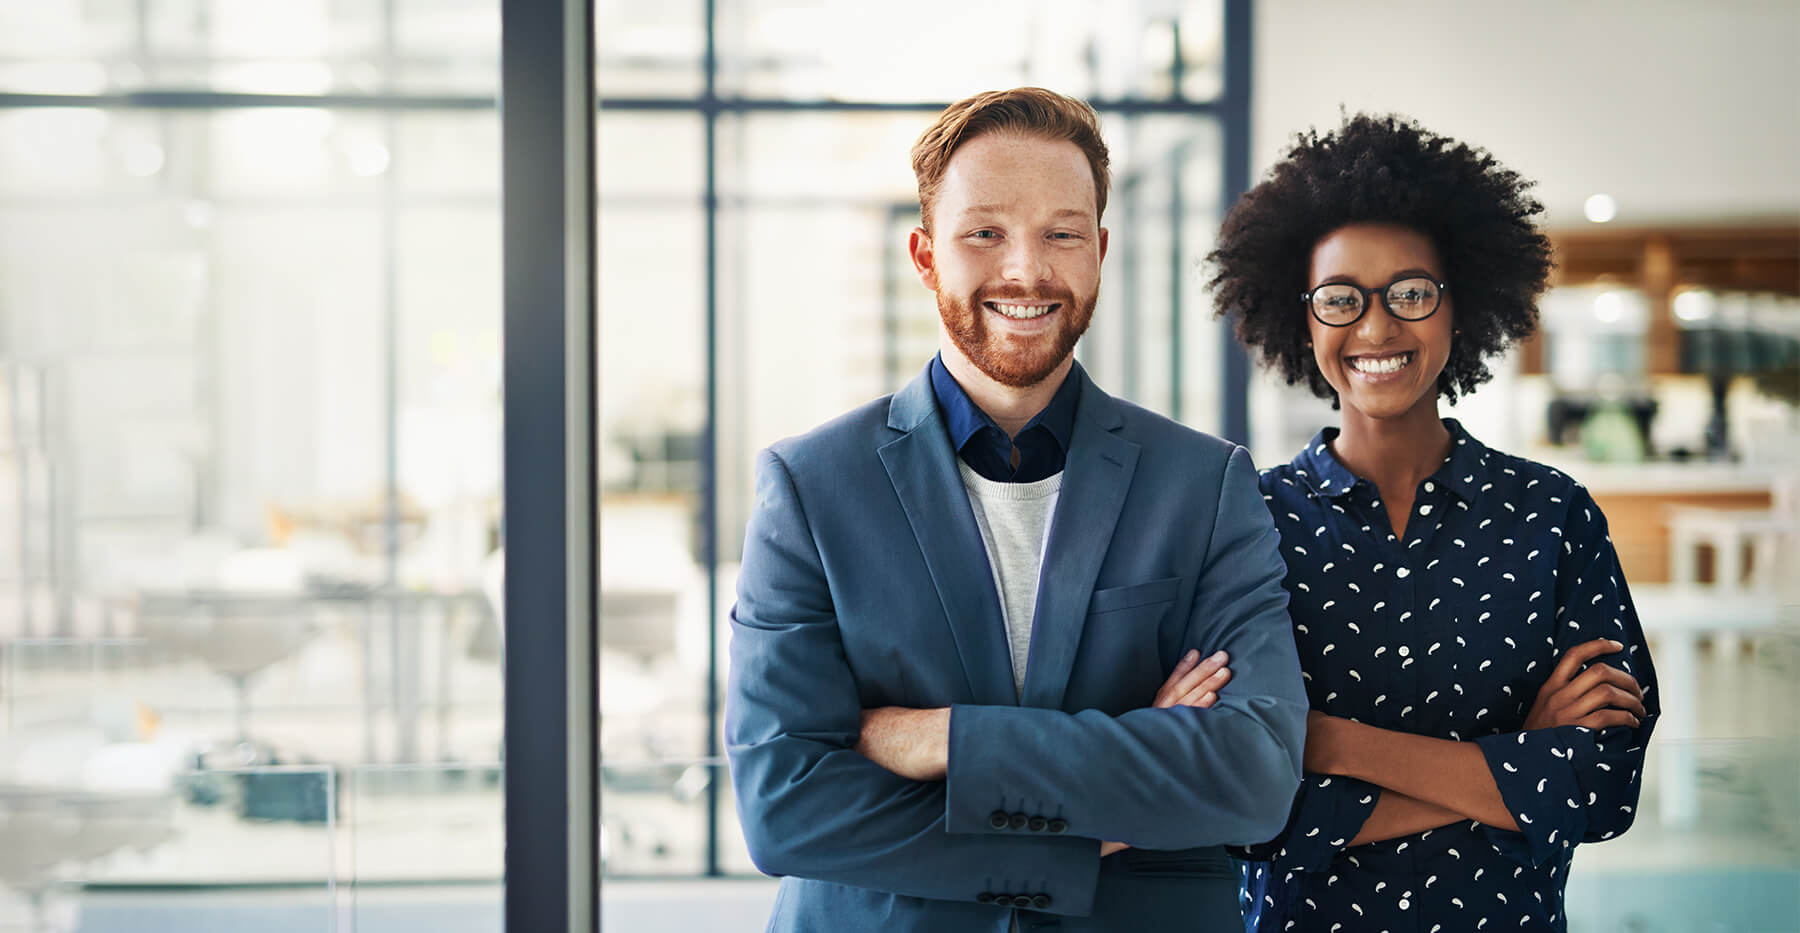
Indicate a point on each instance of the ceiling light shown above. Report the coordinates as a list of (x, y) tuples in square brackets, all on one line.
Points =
[(1600, 208)]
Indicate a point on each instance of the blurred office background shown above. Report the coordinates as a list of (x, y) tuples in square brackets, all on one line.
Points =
[(250, 307)]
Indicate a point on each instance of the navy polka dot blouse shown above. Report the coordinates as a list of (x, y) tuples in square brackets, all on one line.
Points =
[(1449, 633)]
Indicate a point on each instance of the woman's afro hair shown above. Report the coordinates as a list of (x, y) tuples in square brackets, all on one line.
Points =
[(1384, 169)]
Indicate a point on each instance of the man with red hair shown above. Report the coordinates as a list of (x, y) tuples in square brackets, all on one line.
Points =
[(984, 625)]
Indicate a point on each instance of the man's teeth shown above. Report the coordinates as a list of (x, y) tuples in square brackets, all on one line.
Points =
[(1020, 312), (1380, 365)]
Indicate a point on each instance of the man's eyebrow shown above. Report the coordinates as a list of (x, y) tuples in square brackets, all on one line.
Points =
[(975, 209)]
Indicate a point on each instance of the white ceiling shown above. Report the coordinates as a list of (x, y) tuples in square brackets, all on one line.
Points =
[(1686, 111)]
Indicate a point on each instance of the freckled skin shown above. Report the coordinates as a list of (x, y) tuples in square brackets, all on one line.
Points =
[(1013, 218)]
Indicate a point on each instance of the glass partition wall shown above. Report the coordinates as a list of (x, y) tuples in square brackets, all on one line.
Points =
[(250, 451)]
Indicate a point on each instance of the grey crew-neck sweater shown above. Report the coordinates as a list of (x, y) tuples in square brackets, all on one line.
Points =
[(1015, 523)]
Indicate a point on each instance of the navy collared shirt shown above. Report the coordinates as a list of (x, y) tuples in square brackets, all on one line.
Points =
[(1043, 443), (1448, 631)]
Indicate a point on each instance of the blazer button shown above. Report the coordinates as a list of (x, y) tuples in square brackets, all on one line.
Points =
[(998, 819), (1021, 900), (985, 897), (1059, 825), (1041, 902), (1020, 821), (1038, 824)]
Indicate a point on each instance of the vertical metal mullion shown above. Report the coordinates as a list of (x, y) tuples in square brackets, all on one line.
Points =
[(1234, 180), (551, 519), (709, 464), (1130, 292), (1177, 262)]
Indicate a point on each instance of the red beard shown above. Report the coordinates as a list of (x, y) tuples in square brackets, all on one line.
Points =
[(1015, 361)]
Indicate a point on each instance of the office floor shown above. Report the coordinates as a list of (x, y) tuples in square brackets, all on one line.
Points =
[(421, 849)]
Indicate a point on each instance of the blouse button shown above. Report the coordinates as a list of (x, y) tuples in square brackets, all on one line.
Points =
[(1404, 651), (1430, 486)]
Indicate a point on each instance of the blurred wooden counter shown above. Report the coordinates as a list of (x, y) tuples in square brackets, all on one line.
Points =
[(1636, 499)]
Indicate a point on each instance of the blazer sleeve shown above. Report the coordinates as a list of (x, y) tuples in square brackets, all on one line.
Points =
[(1572, 784), (1165, 778), (809, 804)]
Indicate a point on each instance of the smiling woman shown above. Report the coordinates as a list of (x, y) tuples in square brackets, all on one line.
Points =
[(1480, 688)]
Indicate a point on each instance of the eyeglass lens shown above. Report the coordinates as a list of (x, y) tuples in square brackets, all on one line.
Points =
[(1408, 299)]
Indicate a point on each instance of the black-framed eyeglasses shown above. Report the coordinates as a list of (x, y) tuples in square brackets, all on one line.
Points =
[(1341, 304)]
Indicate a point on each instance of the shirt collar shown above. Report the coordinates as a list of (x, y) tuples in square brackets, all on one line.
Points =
[(964, 418), (1464, 471)]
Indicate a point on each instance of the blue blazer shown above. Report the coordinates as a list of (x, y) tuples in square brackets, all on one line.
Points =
[(865, 583)]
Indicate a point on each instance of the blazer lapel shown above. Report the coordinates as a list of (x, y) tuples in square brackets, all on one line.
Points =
[(923, 470), (1096, 478)]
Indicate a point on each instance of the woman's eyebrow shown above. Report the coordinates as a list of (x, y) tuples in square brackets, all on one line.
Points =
[(1341, 279)]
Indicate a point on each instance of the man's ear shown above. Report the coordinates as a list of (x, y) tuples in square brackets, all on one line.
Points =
[(918, 247), (1103, 238)]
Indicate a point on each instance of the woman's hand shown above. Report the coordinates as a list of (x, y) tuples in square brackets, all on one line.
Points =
[(1597, 698)]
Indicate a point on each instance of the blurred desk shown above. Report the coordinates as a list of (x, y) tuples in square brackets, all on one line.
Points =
[(1676, 618), (404, 609)]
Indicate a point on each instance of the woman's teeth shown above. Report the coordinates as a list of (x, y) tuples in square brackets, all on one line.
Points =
[(1380, 365), (1021, 312)]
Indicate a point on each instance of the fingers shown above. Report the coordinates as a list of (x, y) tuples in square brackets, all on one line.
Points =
[(1615, 679), (1207, 692), (1575, 657), (1608, 718), (1166, 695), (1189, 673), (1606, 674), (1601, 697)]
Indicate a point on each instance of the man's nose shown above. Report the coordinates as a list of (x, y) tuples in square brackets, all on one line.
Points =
[(1027, 261)]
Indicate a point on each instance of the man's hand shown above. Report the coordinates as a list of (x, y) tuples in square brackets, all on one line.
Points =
[(1598, 697), (1195, 682), (912, 743)]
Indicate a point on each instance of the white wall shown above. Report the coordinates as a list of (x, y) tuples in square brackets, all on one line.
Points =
[(1683, 110)]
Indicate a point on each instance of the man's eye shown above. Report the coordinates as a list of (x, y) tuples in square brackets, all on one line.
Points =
[(984, 234)]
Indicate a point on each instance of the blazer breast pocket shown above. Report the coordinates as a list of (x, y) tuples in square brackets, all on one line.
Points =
[(1124, 645), (1135, 596)]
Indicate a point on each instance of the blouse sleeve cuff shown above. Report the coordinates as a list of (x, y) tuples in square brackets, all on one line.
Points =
[(1327, 813), (1536, 776)]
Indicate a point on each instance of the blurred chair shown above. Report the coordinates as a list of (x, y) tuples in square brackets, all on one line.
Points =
[(638, 622), (74, 792), (1730, 534), (259, 614)]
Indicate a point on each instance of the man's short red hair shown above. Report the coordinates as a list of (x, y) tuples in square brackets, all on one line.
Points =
[(1030, 110)]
